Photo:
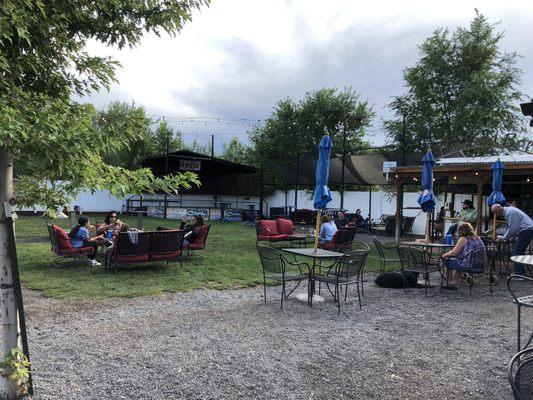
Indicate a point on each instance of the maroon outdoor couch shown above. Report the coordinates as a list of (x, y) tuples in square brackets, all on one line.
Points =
[(145, 247)]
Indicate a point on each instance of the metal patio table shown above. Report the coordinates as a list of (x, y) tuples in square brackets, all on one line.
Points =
[(319, 254)]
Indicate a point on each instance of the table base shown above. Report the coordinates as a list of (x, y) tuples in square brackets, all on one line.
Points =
[(304, 297)]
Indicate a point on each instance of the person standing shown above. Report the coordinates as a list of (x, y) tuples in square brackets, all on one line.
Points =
[(519, 225)]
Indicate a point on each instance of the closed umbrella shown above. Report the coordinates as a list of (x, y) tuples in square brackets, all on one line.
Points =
[(322, 196), (496, 197), (427, 199)]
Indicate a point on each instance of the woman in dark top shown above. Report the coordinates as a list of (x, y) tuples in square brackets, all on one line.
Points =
[(192, 230)]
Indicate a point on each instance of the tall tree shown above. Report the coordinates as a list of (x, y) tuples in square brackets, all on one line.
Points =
[(129, 120), (295, 129), (43, 62), (164, 133), (461, 95), (236, 151)]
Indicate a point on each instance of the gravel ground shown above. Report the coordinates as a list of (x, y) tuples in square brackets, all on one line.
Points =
[(229, 345)]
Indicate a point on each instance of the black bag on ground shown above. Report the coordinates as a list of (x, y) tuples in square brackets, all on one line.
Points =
[(397, 279)]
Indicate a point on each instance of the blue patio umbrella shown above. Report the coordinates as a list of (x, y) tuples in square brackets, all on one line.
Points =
[(496, 197), (322, 196), (427, 199)]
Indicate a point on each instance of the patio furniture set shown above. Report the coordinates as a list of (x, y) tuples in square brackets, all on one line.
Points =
[(129, 247)]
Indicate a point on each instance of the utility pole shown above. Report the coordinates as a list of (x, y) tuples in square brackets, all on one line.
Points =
[(297, 168), (343, 163), (212, 146), (166, 172), (403, 140), (262, 177)]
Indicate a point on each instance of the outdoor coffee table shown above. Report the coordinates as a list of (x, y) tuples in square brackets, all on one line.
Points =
[(319, 254)]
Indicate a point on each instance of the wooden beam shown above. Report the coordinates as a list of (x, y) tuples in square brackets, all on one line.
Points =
[(399, 209)]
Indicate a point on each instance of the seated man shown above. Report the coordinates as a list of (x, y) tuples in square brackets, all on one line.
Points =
[(467, 214), (341, 220)]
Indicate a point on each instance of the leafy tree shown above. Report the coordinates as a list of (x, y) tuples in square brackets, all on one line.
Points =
[(121, 118), (295, 129), (236, 151), (43, 62), (160, 136), (461, 95), (198, 148)]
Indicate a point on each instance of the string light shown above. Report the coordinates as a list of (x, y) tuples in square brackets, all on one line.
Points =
[(455, 177), (527, 180)]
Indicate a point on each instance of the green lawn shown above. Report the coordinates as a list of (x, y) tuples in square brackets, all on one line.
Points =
[(229, 261)]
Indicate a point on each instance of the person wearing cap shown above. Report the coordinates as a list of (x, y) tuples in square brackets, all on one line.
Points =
[(467, 214), (519, 225)]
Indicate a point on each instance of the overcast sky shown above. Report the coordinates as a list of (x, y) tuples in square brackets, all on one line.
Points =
[(236, 59)]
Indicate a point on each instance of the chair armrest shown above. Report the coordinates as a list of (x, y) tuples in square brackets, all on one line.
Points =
[(516, 277), (298, 264)]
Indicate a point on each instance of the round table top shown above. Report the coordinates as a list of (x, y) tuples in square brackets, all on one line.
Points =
[(422, 244), (524, 259)]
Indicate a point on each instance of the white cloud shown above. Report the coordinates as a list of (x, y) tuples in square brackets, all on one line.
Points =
[(239, 57)]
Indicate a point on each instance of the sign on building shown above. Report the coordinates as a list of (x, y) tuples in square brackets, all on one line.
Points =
[(190, 165)]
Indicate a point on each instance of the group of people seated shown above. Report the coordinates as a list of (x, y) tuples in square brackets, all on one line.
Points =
[(329, 226), (80, 235)]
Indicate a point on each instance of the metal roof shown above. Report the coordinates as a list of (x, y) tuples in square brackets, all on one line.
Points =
[(506, 159)]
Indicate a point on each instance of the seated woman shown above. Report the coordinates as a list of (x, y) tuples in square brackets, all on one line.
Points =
[(79, 237), (455, 259), (111, 223), (192, 230), (357, 219), (327, 230)]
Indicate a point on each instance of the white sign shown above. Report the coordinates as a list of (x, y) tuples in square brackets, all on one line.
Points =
[(190, 165), (388, 165)]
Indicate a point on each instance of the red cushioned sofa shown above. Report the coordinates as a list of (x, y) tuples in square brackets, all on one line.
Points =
[(279, 230), (141, 247), (63, 249)]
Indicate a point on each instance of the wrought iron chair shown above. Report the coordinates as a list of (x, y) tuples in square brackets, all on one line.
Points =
[(476, 262), (381, 252), (520, 374), (525, 300), (275, 265), (346, 270), (417, 260)]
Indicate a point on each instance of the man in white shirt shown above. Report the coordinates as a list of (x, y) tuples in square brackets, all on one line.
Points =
[(519, 225)]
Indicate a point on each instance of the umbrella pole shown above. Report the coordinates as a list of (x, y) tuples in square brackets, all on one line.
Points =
[(317, 229), (494, 228), (427, 227)]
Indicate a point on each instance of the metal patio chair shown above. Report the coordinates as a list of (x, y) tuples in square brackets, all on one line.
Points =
[(520, 374), (275, 266)]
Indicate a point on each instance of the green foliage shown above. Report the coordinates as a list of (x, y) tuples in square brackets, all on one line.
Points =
[(198, 148), (43, 62), (236, 151), (163, 133), (461, 95), (295, 129), (130, 126), (16, 368)]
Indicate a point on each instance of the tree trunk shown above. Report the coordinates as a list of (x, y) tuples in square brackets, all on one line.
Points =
[(8, 308)]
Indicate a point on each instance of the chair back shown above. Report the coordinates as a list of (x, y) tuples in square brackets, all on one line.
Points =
[(199, 242), (343, 235), (390, 224), (419, 257), (476, 260), (408, 223), (162, 242), (351, 264), (520, 374), (379, 247), (405, 256), (271, 260), (125, 247), (267, 227), (357, 245), (53, 238)]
